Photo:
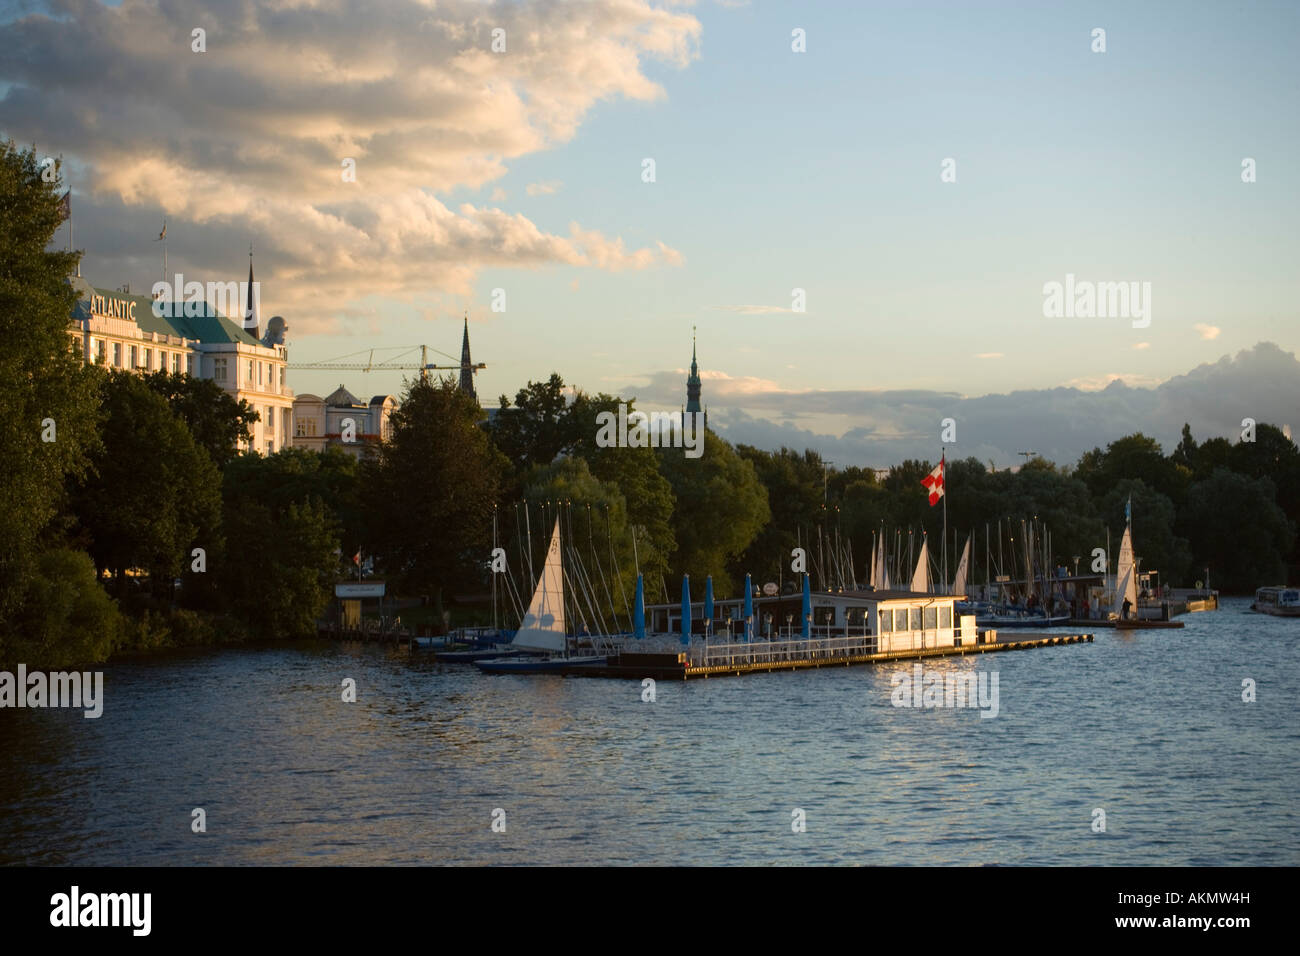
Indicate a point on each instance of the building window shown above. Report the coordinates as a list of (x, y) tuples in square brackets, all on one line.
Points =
[(305, 427), (913, 618), (270, 448), (148, 359), (260, 367), (945, 617), (250, 371), (176, 363), (886, 622), (931, 617), (117, 354), (219, 369), (282, 376), (99, 351), (134, 355)]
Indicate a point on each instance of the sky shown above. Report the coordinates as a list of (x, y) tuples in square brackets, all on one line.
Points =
[(774, 171)]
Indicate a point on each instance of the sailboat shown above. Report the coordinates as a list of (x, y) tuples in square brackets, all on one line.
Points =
[(542, 634), (1125, 580), (1126, 591)]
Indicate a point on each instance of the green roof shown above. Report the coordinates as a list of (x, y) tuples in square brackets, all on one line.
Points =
[(205, 325)]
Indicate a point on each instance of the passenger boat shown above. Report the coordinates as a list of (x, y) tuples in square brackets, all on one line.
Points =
[(1279, 601)]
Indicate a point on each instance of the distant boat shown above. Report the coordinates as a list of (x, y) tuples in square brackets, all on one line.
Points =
[(1279, 601), (1126, 596), (542, 632)]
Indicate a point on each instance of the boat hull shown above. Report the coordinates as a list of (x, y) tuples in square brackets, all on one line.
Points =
[(1276, 611), (549, 665)]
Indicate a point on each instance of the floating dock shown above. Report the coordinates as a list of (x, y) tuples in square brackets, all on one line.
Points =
[(1127, 625), (733, 660)]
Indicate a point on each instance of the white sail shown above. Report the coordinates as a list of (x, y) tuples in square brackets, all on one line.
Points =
[(1125, 575), (880, 569), (959, 581), (921, 578), (542, 628)]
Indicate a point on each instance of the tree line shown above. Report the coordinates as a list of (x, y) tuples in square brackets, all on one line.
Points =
[(130, 521)]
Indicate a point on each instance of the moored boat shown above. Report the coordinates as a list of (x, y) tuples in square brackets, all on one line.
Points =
[(1280, 601)]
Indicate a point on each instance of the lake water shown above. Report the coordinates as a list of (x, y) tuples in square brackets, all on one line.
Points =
[(1149, 727)]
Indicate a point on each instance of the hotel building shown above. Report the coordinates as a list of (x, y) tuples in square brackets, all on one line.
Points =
[(125, 331)]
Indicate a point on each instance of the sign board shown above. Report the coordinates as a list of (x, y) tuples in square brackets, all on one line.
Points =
[(359, 590), (1002, 578), (770, 589)]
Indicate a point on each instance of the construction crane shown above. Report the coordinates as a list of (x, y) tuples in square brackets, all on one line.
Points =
[(394, 364)]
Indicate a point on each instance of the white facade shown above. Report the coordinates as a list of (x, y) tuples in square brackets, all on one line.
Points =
[(342, 420), (121, 330)]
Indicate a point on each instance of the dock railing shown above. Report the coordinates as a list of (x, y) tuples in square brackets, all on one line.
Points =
[(763, 652)]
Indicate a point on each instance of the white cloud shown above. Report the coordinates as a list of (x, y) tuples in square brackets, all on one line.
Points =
[(1208, 332), (246, 141), (866, 427), (543, 189), (1139, 346), (752, 309), (989, 355)]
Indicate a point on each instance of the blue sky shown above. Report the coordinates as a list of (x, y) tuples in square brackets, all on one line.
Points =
[(775, 170)]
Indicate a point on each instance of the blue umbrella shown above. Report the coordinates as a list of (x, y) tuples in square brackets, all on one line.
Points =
[(708, 598), (686, 609), (638, 612), (749, 609), (807, 608)]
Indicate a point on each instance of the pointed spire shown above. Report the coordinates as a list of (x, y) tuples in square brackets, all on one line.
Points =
[(250, 312), (693, 382), (466, 366)]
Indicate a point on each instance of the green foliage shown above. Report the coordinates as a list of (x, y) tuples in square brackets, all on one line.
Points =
[(538, 428), (435, 485), (1241, 533), (595, 521), (67, 618), (155, 494), (332, 477), (215, 419), (41, 378), (721, 507), (280, 565), (1159, 548)]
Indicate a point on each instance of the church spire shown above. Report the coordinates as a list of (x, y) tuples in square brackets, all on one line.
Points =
[(466, 366), (250, 314), (693, 382)]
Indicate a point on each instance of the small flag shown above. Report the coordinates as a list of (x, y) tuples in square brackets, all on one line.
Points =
[(1128, 510), (65, 206), (356, 558), (162, 235), (934, 482)]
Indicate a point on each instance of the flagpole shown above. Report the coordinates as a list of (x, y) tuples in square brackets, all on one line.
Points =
[(943, 462)]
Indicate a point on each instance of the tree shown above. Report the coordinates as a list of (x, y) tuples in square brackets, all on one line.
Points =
[(595, 523), (1154, 526), (48, 402), (216, 420), (155, 494), (720, 507), (297, 475), (635, 472), (280, 564), (436, 482), (795, 483), (66, 617), (538, 428), (1241, 532)]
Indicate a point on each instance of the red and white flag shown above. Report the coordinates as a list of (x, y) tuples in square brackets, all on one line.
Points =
[(934, 482), (356, 558)]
